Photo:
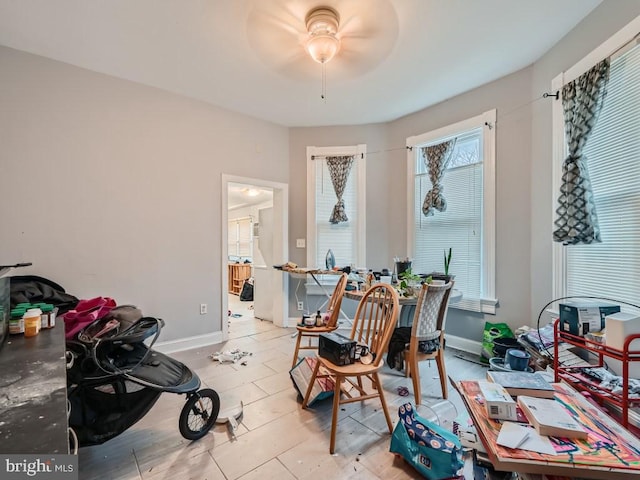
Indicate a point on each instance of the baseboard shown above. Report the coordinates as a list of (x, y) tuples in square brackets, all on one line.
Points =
[(464, 344), (188, 343)]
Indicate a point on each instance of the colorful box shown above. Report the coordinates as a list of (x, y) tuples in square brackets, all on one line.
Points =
[(579, 318)]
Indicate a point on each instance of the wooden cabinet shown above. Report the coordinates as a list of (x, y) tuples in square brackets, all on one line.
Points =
[(238, 273)]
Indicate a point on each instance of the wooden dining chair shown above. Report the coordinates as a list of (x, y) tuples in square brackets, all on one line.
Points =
[(428, 325), (375, 319), (312, 333)]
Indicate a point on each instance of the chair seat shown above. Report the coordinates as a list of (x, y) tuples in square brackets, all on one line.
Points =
[(323, 329), (353, 369)]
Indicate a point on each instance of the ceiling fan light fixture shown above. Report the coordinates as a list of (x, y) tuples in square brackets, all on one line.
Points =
[(322, 25), (251, 192)]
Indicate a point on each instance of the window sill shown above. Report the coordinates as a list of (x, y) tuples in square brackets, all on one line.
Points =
[(328, 284), (482, 305)]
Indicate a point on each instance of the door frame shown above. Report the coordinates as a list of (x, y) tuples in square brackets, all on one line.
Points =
[(280, 247)]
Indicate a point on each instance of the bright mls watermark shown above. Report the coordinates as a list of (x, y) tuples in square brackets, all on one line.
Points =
[(49, 467)]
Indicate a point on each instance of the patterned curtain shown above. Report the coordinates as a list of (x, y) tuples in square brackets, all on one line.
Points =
[(339, 168), (582, 101), (436, 158)]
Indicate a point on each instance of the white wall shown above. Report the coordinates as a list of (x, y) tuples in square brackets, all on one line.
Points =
[(114, 188)]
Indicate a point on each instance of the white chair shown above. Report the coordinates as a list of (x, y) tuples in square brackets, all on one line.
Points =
[(428, 325)]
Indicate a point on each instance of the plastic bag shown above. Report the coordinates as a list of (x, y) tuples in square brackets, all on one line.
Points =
[(433, 451), (493, 331), (246, 295)]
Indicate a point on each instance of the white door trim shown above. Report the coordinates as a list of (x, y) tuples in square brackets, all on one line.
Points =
[(280, 247)]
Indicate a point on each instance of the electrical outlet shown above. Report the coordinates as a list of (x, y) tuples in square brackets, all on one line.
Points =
[(203, 308), (300, 243), (300, 306)]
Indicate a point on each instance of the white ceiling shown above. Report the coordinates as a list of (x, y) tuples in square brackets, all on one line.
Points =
[(397, 56), (241, 195)]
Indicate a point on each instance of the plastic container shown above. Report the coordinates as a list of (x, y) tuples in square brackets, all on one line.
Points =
[(16, 322), (50, 311), (32, 322)]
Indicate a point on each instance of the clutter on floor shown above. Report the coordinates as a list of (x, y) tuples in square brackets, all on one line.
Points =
[(234, 356), (230, 415)]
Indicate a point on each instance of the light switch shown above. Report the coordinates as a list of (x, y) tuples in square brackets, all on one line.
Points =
[(300, 243)]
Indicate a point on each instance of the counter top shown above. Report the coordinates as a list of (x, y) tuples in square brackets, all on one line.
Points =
[(33, 394)]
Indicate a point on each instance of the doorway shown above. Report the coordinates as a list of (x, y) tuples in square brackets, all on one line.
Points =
[(254, 235)]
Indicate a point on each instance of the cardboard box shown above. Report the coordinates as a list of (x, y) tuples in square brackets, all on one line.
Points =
[(618, 327), (579, 318), (337, 348), (498, 402)]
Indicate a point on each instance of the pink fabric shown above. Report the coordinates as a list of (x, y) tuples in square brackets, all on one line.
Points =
[(85, 313)]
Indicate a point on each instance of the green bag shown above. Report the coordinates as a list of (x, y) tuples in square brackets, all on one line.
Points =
[(493, 331)]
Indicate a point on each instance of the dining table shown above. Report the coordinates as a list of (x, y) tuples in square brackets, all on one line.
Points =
[(407, 304)]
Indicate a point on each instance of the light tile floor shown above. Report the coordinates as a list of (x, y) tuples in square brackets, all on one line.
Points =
[(276, 438)]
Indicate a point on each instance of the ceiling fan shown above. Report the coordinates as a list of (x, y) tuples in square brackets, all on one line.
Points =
[(279, 33)]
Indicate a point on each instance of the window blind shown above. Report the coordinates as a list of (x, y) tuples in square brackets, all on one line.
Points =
[(459, 227), (341, 238), (612, 268), (240, 237)]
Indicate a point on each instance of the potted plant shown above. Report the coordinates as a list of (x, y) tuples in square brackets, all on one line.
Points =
[(445, 276), (409, 282), (447, 261)]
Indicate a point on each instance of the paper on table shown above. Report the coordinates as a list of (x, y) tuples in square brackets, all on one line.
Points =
[(514, 435)]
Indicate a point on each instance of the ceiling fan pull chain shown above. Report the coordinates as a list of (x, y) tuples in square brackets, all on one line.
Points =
[(323, 94)]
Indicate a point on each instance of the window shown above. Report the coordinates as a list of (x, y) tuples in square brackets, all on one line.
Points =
[(609, 269), (467, 226), (240, 235), (345, 239)]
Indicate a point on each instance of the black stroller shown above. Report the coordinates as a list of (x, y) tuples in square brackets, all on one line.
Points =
[(114, 378)]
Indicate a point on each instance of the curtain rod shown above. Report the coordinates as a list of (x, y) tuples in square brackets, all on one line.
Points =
[(313, 157), (625, 48)]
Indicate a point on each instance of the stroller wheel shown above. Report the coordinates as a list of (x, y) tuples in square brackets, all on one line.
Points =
[(199, 414)]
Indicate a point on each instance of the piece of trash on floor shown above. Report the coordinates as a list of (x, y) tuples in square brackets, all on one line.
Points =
[(228, 355), (236, 315), (403, 391), (230, 416)]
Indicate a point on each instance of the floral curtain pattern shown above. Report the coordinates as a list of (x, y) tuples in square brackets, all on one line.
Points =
[(582, 100), (339, 168), (436, 158)]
